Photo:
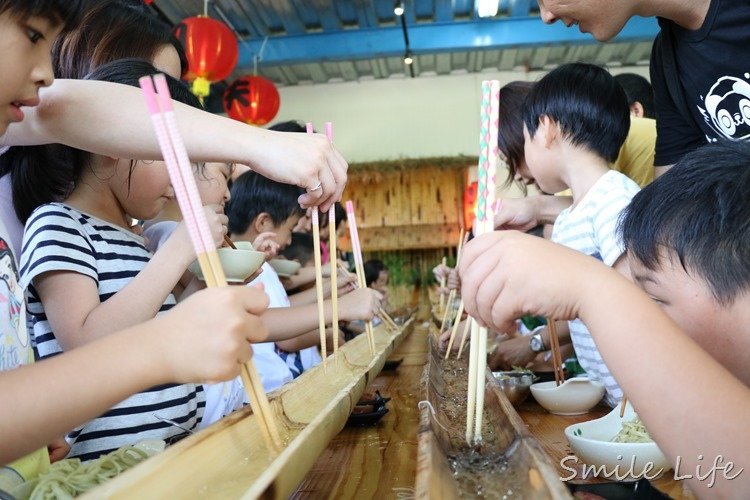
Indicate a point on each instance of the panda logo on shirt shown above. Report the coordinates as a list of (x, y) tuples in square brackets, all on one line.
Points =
[(727, 108)]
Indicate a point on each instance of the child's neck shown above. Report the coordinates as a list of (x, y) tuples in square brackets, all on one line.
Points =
[(581, 170), (93, 195)]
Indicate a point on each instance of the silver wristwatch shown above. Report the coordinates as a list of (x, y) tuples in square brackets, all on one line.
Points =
[(536, 343)]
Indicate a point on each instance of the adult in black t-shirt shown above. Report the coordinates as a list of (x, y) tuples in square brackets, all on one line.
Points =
[(700, 65)]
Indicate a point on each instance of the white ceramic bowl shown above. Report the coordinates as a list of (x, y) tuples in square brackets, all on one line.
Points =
[(592, 443), (285, 268), (575, 396), (238, 264)]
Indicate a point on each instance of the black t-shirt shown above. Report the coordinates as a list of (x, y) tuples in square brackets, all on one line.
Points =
[(702, 85)]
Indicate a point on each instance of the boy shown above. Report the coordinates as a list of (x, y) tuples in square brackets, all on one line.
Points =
[(688, 245), (575, 121), (686, 236), (261, 205)]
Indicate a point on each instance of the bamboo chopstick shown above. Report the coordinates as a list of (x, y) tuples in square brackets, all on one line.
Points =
[(334, 279), (623, 403), (359, 265), (555, 346), (452, 294), (229, 242), (455, 328), (159, 103), (442, 286), (464, 338), (319, 278)]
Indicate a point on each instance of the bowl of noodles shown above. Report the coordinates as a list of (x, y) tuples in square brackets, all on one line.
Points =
[(619, 449), (239, 264)]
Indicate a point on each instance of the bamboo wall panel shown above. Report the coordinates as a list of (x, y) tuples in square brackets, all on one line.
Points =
[(407, 208)]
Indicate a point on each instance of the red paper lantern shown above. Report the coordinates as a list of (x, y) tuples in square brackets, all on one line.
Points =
[(252, 99), (211, 49), (470, 203)]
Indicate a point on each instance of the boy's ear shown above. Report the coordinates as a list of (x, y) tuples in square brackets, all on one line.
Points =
[(549, 129), (263, 223)]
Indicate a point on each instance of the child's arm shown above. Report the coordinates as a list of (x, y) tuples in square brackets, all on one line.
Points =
[(285, 323), (691, 405), (309, 296), (306, 275), (81, 113), (71, 299), (526, 213), (54, 395)]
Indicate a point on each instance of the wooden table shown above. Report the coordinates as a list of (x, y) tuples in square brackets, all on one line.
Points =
[(380, 461), (548, 430)]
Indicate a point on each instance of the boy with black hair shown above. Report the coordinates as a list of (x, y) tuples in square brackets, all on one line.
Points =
[(640, 94), (259, 205), (300, 248), (575, 121), (687, 238)]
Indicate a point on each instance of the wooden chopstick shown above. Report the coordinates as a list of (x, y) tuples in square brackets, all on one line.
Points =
[(623, 403), (229, 242), (455, 328), (173, 149), (555, 346)]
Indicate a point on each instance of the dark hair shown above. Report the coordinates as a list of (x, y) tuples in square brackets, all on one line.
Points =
[(588, 105), (289, 126), (638, 89), (30, 191), (339, 214), (58, 12), (510, 117), (700, 211), (372, 270), (253, 194), (111, 30), (300, 249)]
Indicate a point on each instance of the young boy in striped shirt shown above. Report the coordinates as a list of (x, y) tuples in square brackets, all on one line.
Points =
[(575, 121)]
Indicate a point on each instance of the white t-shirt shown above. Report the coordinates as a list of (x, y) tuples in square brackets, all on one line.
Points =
[(591, 228)]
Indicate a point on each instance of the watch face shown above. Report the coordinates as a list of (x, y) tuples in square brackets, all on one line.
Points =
[(536, 343)]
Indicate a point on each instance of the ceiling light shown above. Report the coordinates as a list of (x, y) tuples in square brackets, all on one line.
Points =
[(399, 9), (487, 8), (408, 59)]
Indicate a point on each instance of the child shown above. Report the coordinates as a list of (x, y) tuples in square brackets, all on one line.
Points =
[(687, 239), (261, 205), (84, 383), (212, 180), (685, 352), (575, 120), (87, 275)]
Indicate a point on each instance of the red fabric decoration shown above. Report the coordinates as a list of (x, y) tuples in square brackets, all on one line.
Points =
[(252, 99), (211, 49), (470, 203)]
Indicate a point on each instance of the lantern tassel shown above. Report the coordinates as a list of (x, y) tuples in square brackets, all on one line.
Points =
[(201, 87)]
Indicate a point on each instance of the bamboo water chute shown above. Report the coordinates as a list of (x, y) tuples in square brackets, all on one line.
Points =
[(525, 468), (229, 459)]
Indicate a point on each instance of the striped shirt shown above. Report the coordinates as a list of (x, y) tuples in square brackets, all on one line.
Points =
[(61, 238), (591, 227)]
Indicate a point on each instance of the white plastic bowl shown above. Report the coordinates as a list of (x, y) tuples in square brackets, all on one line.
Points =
[(285, 268), (238, 264), (592, 443), (575, 396)]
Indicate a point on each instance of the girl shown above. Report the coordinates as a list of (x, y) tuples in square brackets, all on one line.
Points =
[(87, 275)]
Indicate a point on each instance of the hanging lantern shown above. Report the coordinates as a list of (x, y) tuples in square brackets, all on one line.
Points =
[(470, 203), (211, 50), (252, 99)]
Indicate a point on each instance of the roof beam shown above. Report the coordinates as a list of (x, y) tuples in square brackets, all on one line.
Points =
[(428, 38)]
